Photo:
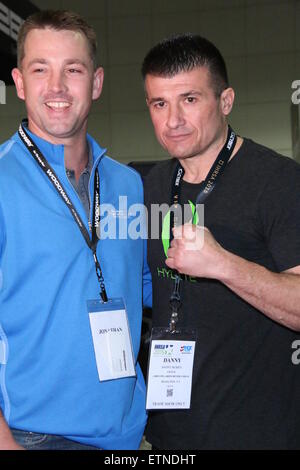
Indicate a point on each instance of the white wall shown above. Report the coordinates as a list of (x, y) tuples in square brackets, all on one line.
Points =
[(260, 41)]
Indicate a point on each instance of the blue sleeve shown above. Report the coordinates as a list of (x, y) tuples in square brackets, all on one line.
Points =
[(2, 244), (2, 234), (147, 281), (147, 278)]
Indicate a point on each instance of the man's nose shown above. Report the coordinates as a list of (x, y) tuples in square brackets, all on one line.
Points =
[(57, 82), (175, 116)]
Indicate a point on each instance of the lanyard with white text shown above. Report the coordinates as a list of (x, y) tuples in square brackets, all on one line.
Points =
[(206, 188), (54, 180)]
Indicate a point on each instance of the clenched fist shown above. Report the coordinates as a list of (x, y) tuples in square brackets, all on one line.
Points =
[(195, 251)]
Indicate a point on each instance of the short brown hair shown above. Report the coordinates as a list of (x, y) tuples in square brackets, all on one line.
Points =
[(58, 20), (184, 52)]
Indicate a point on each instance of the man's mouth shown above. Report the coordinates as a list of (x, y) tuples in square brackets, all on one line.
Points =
[(57, 104), (177, 136)]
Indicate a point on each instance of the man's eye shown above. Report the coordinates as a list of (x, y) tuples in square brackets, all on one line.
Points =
[(39, 70), (190, 99), (159, 104), (74, 71)]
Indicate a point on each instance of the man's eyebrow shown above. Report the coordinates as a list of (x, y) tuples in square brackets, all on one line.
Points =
[(155, 100), (191, 92), (76, 61), (184, 95), (67, 62), (37, 61)]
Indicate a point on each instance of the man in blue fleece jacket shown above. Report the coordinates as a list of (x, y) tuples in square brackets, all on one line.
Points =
[(53, 176)]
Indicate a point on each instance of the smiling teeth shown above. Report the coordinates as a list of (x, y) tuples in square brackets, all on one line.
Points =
[(58, 105)]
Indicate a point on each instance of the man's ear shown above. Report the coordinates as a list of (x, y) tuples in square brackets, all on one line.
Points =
[(227, 99), (18, 79), (98, 83)]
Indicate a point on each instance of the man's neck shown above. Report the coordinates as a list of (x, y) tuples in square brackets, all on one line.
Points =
[(77, 157), (76, 151), (197, 168)]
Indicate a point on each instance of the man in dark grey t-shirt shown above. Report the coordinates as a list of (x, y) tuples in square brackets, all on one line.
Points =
[(240, 287)]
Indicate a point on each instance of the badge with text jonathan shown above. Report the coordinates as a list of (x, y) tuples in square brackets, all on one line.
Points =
[(170, 369), (111, 338)]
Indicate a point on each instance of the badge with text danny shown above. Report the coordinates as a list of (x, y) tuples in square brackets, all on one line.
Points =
[(111, 338), (170, 369)]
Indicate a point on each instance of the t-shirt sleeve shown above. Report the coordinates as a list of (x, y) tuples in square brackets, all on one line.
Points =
[(280, 215)]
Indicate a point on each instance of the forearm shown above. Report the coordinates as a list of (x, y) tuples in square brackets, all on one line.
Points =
[(195, 251), (276, 295), (7, 441)]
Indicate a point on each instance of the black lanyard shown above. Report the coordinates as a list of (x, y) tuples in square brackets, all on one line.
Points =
[(54, 180), (206, 188)]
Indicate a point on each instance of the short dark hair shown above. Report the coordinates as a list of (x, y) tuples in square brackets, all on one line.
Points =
[(182, 53), (59, 20)]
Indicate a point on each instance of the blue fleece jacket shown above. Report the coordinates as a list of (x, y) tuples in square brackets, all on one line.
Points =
[(49, 380)]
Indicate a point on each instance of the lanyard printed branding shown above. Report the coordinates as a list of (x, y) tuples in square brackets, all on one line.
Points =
[(206, 188), (53, 178), (214, 174)]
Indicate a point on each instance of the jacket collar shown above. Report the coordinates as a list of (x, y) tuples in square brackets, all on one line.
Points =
[(55, 153)]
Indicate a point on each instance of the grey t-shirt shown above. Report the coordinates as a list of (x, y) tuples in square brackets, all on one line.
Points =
[(82, 187), (245, 392)]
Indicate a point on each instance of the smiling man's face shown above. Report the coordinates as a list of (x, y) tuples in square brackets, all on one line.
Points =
[(58, 83)]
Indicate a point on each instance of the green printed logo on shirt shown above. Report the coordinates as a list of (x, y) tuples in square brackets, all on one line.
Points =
[(165, 233)]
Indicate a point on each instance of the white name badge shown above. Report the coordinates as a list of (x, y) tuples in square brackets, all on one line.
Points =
[(170, 374), (111, 338)]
